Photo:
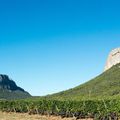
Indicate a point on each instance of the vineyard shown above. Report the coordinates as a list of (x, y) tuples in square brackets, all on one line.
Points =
[(97, 109)]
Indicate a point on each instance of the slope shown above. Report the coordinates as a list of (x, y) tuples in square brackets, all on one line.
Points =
[(105, 85)]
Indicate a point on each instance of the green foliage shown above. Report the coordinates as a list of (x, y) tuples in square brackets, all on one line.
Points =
[(82, 108)]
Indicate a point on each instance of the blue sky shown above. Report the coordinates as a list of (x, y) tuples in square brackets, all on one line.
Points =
[(51, 45)]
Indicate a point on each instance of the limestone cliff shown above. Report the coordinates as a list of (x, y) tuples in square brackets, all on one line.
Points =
[(113, 58)]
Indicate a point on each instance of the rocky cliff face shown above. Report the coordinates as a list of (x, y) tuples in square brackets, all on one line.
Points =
[(113, 58), (8, 84), (9, 89)]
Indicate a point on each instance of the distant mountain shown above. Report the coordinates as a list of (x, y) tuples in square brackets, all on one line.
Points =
[(9, 89), (105, 85)]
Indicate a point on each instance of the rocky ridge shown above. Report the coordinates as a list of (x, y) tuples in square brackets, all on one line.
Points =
[(9, 89)]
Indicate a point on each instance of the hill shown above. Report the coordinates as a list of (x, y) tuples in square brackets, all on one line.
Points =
[(9, 89), (105, 85)]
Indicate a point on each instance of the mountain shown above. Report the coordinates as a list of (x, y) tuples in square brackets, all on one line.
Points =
[(9, 89), (105, 85)]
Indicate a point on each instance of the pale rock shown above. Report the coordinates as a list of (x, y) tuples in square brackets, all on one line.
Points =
[(113, 58)]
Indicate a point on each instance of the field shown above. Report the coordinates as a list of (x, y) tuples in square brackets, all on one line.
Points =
[(37, 109), (19, 116)]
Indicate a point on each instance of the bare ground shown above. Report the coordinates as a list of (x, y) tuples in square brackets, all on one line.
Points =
[(19, 116)]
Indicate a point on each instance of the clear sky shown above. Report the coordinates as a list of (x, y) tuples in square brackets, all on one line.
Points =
[(51, 45)]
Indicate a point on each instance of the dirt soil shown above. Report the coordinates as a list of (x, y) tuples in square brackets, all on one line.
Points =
[(19, 116)]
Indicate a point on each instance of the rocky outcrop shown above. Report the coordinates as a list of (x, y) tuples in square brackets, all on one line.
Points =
[(8, 84), (9, 89), (113, 58)]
